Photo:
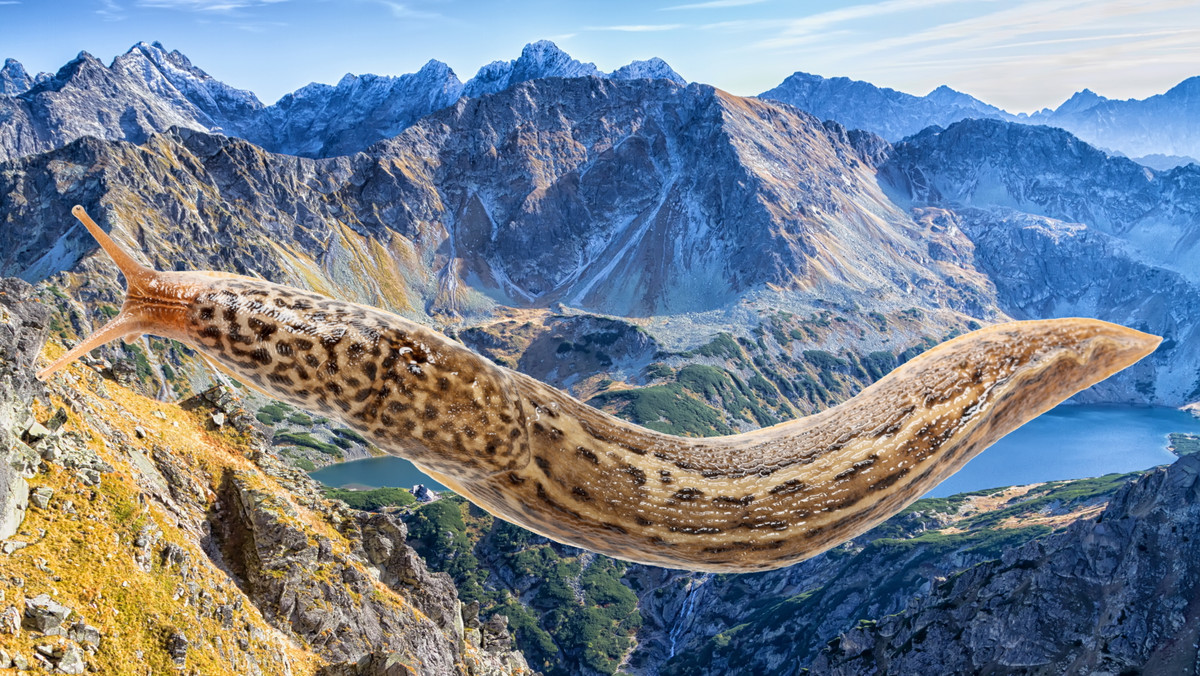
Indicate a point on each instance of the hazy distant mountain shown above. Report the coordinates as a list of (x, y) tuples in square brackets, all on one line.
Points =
[(1163, 124), (887, 112), (1162, 131)]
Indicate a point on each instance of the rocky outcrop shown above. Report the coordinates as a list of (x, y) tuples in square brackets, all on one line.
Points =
[(313, 591), (13, 78), (1116, 594), (24, 325)]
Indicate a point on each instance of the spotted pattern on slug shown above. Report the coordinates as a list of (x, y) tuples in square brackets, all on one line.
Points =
[(535, 456), (396, 385)]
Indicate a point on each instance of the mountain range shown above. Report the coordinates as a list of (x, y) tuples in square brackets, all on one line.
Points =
[(1161, 131), (149, 89)]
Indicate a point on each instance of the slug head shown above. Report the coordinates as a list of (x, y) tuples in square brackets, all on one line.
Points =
[(155, 302)]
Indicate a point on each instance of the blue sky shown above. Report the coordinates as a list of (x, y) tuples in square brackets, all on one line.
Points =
[(1018, 54)]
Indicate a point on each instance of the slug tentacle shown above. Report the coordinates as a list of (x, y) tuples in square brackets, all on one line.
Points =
[(536, 456)]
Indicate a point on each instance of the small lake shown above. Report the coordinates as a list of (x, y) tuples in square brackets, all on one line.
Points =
[(1074, 442), (1068, 442), (374, 473)]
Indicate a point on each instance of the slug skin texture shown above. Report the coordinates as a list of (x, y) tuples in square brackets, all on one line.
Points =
[(533, 455)]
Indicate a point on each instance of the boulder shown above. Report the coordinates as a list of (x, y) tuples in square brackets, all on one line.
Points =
[(45, 615)]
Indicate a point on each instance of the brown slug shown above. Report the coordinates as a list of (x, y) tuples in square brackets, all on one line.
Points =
[(537, 457)]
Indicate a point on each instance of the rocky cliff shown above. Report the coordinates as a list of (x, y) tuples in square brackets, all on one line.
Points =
[(1117, 593), (136, 532)]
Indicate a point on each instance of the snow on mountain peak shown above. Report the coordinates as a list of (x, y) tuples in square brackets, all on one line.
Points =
[(650, 69), (13, 78)]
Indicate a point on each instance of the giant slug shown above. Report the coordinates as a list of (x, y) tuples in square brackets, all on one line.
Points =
[(537, 457)]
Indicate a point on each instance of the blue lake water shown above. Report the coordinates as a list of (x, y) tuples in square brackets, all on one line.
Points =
[(1068, 442), (1074, 442), (374, 473)]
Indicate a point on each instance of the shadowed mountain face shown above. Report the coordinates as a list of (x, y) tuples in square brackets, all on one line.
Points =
[(1079, 602)]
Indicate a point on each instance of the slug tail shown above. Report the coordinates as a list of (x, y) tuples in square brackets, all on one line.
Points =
[(154, 301)]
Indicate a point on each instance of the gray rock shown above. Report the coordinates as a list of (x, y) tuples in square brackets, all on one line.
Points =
[(40, 497), (45, 615), (71, 661), (10, 621), (36, 432), (337, 612), (177, 647), (1111, 593), (14, 500), (24, 325), (374, 664), (5, 659), (19, 662), (84, 634), (381, 541)]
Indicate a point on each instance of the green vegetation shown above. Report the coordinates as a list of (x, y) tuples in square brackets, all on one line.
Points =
[(578, 619), (306, 440), (299, 419), (141, 362), (273, 413), (1184, 444), (350, 435), (371, 500)]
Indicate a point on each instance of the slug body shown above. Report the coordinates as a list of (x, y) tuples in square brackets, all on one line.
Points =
[(533, 455)]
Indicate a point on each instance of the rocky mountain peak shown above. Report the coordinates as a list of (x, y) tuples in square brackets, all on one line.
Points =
[(13, 78), (650, 69), (1188, 90), (538, 60), (889, 113), (1079, 102)]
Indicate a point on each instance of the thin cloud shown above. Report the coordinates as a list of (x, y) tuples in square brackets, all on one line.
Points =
[(214, 6), (801, 30), (403, 11), (10, 2), (639, 28), (715, 4), (110, 11)]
